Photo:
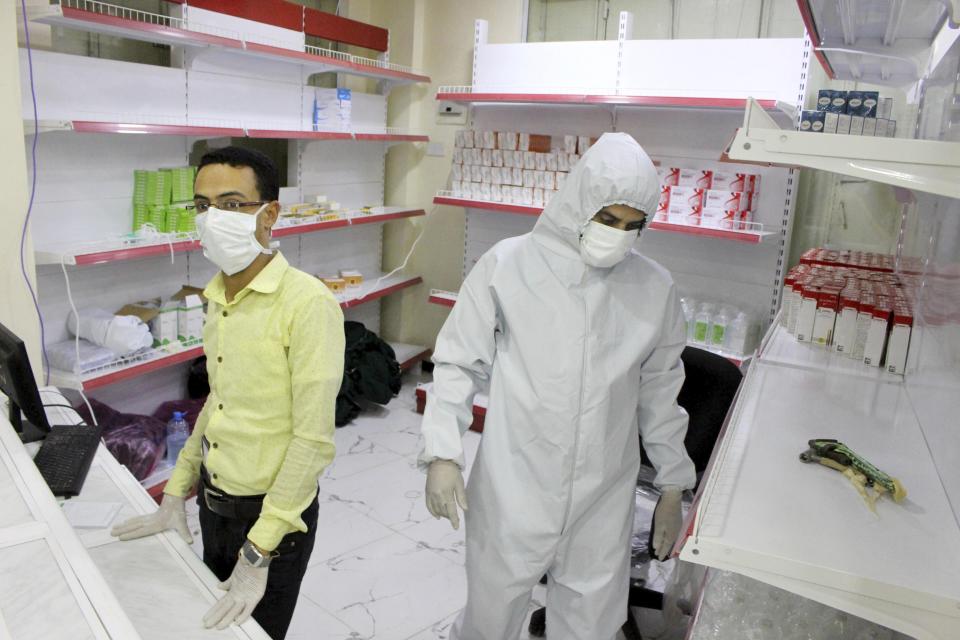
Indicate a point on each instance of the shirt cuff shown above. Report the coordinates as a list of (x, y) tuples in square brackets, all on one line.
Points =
[(267, 532)]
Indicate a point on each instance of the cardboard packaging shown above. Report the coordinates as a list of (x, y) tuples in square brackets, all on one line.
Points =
[(898, 344), (830, 121), (843, 124), (540, 161), (883, 126), (486, 175), (877, 336), (724, 181), (530, 161), (141, 215), (584, 143), (869, 127), (570, 144), (538, 197), (551, 162), (529, 179), (864, 318), (808, 312), (845, 334), (832, 101), (691, 197), (476, 173), (795, 301), (486, 158), (862, 103), (856, 125), (823, 325), (663, 206), (726, 200), (812, 121), (892, 129), (885, 108), (719, 217), (190, 319), (534, 142), (337, 286), (165, 325), (507, 140)]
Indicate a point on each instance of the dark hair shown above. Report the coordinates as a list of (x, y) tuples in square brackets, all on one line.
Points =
[(268, 178)]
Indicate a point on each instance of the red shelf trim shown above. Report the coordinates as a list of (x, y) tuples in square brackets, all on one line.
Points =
[(649, 101), (290, 134), (492, 206), (382, 293), (740, 236), (189, 37), (443, 302), (141, 369), (194, 245), (392, 137), (89, 126)]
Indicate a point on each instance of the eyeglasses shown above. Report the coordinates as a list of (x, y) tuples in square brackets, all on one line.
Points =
[(227, 205)]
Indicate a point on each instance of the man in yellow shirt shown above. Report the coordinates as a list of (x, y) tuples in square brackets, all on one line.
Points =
[(275, 347)]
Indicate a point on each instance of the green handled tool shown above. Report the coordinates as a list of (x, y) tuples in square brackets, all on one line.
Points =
[(861, 473)]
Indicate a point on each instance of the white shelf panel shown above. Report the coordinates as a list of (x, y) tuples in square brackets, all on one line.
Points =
[(119, 21), (783, 348), (877, 41), (409, 354), (922, 165), (443, 298), (764, 512)]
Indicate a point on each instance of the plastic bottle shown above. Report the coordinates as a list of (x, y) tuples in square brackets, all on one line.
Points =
[(737, 334), (701, 331), (177, 433), (718, 329), (689, 306)]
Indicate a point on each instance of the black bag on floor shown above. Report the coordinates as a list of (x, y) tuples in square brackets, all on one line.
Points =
[(370, 373)]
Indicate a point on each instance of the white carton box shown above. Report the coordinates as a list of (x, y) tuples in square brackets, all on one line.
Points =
[(845, 334), (486, 157), (883, 126), (457, 155), (876, 341), (830, 122), (796, 299), (486, 175), (540, 161), (899, 344), (843, 124), (551, 162), (806, 317), (529, 178), (570, 144), (497, 157), (529, 160), (856, 125), (870, 127), (190, 318), (164, 325)]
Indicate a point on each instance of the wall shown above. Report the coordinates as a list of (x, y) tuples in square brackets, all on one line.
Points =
[(16, 306), (437, 38)]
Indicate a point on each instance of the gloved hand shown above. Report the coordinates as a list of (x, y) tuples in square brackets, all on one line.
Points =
[(445, 490), (667, 520), (245, 588), (171, 515)]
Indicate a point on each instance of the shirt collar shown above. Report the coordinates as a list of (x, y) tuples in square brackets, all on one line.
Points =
[(267, 281)]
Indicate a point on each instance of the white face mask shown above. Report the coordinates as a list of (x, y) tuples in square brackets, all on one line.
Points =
[(229, 238), (603, 246)]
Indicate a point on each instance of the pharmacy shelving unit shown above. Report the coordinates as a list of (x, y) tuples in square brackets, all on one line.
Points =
[(238, 71), (762, 513), (587, 88)]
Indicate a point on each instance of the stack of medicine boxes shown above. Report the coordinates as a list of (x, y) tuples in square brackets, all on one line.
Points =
[(855, 113), (159, 198)]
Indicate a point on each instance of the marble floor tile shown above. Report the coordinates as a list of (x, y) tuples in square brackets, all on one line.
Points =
[(439, 536), (356, 453), (341, 529), (312, 622), (391, 494), (388, 590)]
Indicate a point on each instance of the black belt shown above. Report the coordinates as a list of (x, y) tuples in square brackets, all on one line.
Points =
[(226, 505)]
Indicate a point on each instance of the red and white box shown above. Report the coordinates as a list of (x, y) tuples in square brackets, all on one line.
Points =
[(726, 200), (678, 177), (663, 207), (725, 181), (823, 325), (899, 342), (680, 212), (877, 335), (808, 312), (507, 140), (688, 196), (719, 218), (845, 334)]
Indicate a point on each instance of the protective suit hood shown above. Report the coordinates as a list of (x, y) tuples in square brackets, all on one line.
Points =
[(615, 170)]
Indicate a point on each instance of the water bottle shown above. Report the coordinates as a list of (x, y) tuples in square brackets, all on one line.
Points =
[(701, 331), (718, 331), (737, 335), (689, 306), (177, 433)]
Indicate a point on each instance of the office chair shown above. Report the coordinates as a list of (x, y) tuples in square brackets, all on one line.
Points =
[(708, 390)]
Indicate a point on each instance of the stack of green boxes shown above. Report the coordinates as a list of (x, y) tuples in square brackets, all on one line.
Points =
[(159, 198)]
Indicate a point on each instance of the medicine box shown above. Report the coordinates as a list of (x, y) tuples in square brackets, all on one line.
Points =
[(165, 325), (812, 121), (190, 319)]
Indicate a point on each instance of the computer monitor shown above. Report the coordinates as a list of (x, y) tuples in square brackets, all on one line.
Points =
[(18, 384)]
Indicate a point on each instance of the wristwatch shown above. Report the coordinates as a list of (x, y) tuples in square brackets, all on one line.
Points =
[(253, 555)]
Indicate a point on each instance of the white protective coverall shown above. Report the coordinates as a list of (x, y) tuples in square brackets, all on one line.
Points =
[(575, 358)]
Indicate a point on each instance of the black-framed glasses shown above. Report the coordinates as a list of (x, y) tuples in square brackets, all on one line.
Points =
[(228, 205)]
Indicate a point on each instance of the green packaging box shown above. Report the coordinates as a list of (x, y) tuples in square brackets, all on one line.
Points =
[(157, 216), (140, 178), (141, 215)]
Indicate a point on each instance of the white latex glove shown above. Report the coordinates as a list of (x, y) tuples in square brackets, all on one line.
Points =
[(667, 520), (245, 588), (445, 490), (171, 515)]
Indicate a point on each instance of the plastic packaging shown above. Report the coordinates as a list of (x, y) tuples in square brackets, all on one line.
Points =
[(702, 324), (718, 328), (121, 334), (689, 306), (177, 433), (737, 334), (63, 356)]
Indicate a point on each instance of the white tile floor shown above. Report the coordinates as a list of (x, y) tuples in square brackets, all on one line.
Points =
[(383, 568)]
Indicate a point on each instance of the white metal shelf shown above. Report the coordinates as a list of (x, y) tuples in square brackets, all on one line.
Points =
[(763, 513), (922, 165), (119, 21), (151, 360), (443, 298), (877, 41)]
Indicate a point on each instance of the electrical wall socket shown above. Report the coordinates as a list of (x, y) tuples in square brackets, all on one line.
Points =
[(451, 113)]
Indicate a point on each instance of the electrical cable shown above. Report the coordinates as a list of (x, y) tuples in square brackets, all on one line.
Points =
[(405, 260), (33, 193)]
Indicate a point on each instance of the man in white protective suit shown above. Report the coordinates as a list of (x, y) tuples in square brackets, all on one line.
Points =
[(578, 339)]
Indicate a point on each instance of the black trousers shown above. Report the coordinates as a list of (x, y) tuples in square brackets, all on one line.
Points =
[(222, 539)]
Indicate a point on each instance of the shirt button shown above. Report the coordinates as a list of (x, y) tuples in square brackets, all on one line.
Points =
[(224, 314), (214, 476), (219, 358), (216, 445), (221, 407)]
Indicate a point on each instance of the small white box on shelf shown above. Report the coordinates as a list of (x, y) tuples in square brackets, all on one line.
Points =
[(719, 217), (486, 157), (489, 140), (570, 144), (726, 200), (457, 155), (563, 161), (497, 157), (845, 334), (843, 124), (807, 315), (496, 175), (550, 180), (885, 108), (870, 127), (485, 190), (551, 161), (883, 126), (529, 178), (164, 325), (899, 341), (538, 197), (456, 172), (876, 338), (496, 193), (508, 140), (190, 318), (523, 142), (517, 194), (469, 138), (583, 143), (527, 195), (724, 181), (856, 125), (830, 122), (529, 160), (476, 173), (457, 187), (517, 177), (486, 175), (540, 161), (892, 129)]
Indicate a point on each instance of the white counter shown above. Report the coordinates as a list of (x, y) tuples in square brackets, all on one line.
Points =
[(60, 582)]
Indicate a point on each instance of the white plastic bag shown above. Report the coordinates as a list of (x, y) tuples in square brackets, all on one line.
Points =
[(122, 335)]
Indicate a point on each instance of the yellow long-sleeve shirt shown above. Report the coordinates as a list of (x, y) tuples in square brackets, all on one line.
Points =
[(275, 363)]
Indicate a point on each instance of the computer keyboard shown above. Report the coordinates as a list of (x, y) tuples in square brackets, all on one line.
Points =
[(65, 456)]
